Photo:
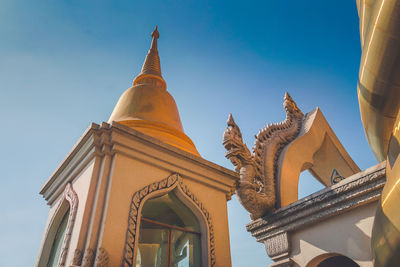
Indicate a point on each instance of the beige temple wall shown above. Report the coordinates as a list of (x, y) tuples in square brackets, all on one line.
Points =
[(129, 175), (347, 234), (112, 162), (80, 185)]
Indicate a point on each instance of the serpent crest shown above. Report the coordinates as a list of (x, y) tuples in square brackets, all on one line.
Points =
[(258, 170)]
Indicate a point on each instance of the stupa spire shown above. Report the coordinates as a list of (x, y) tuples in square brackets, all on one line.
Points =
[(155, 34), (151, 67), (148, 107)]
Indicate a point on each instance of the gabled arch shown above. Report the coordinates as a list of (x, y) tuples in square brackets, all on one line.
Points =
[(69, 201), (172, 183), (316, 149)]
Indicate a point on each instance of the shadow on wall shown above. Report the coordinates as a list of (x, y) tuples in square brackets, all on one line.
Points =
[(349, 241)]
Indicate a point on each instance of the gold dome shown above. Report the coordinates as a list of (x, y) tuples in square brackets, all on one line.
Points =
[(149, 108)]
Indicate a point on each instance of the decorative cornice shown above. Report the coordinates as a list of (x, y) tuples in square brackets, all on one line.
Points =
[(84, 143), (359, 189), (170, 183), (277, 246), (98, 141)]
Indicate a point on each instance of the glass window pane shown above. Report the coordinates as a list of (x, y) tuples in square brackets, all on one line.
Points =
[(169, 234), (153, 246), (58, 241), (185, 249), (170, 210)]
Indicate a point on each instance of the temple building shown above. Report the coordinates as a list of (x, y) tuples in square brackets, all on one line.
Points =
[(135, 191)]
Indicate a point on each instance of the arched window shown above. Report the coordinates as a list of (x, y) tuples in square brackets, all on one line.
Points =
[(169, 234), (58, 241), (58, 233), (332, 260), (338, 260)]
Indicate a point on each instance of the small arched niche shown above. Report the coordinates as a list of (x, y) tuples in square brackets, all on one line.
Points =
[(170, 234)]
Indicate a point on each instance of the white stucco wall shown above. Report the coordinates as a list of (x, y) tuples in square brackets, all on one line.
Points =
[(347, 234)]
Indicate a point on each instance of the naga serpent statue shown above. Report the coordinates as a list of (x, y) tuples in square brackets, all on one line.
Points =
[(258, 171)]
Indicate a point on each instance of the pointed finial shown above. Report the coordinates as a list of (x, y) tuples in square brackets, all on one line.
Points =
[(151, 66), (155, 34)]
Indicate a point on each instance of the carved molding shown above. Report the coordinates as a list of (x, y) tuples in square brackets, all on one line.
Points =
[(206, 214), (171, 182), (72, 198), (88, 258), (69, 196), (77, 260), (102, 259), (277, 246), (359, 189)]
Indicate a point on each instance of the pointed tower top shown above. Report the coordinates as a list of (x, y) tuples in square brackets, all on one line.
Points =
[(155, 34), (151, 67), (148, 107)]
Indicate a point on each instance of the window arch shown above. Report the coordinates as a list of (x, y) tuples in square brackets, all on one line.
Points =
[(196, 224), (58, 234), (332, 260), (169, 234), (338, 260), (57, 242)]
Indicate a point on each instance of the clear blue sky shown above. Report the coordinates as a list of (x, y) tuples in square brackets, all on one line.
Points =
[(64, 64)]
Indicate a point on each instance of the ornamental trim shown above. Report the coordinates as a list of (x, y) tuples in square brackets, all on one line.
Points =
[(132, 232)]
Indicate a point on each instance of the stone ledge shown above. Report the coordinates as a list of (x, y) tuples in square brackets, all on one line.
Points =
[(359, 189)]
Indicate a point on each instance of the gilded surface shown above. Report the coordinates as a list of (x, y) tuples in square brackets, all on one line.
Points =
[(149, 108), (379, 78), (379, 99)]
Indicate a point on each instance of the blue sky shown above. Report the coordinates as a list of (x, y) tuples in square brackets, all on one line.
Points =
[(64, 64)]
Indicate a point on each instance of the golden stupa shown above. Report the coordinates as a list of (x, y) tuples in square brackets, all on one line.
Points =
[(379, 100), (149, 108)]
